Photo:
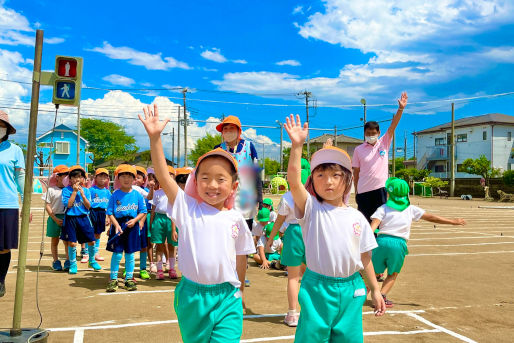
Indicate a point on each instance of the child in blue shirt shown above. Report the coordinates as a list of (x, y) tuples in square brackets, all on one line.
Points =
[(100, 195), (77, 225), (126, 208)]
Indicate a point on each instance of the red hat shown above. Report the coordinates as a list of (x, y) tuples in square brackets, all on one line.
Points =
[(5, 118)]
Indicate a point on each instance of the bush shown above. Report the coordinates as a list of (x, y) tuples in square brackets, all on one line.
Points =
[(508, 177)]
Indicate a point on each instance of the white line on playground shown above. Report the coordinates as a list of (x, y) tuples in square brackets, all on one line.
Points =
[(435, 326), (464, 253), (139, 292), (442, 238), (457, 245)]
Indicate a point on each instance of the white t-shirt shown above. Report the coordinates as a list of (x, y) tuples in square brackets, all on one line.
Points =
[(334, 238), (257, 228), (396, 223), (160, 200), (286, 208), (209, 240), (140, 190), (273, 216), (275, 246), (55, 200)]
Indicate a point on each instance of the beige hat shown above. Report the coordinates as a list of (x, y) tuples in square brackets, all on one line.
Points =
[(5, 118), (331, 154)]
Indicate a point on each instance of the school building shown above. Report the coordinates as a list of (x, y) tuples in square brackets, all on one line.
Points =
[(488, 134), (59, 147), (346, 143)]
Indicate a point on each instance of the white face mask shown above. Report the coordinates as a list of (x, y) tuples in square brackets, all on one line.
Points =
[(371, 139), (230, 136), (3, 132)]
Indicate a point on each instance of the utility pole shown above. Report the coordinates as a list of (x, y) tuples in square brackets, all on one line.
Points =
[(307, 96), (281, 145), (363, 102), (405, 146), (335, 135), (263, 163), (452, 152), (393, 167), (178, 139), (173, 146), (414, 140), (78, 136), (184, 91)]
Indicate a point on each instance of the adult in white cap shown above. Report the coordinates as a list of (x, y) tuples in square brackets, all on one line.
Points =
[(12, 179)]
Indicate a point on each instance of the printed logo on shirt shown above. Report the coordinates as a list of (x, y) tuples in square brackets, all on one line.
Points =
[(382, 153), (126, 208), (235, 231), (98, 200), (357, 229), (77, 204)]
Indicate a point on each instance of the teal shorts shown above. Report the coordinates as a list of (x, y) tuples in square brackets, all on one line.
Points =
[(274, 256), (208, 313), (390, 254), (331, 308), (161, 229), (293, 250), (52, 229)]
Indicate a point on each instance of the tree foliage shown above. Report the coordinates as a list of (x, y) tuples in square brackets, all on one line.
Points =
[(434, 182), (271, 167), (508, 177), (107, 140), (480, 166), (413, 174), (204, 145)]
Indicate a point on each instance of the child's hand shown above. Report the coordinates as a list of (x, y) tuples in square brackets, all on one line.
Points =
[(119, 231), (153, 125), (107, 221), (297, 133), (58, 221), (267, 247), (378, 302), (76, 187), (459, 221), (174, 236), (131, 223), (265, 264), (402, 102)]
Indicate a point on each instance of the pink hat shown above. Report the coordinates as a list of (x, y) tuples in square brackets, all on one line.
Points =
[(5, 118)]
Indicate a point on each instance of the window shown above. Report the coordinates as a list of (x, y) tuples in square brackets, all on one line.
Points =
[(509, 136), (439, 141), (462, 137), (62, 148), (440, 168), (484, 135)]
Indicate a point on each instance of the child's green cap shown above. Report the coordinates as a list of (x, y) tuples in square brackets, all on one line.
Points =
[(263, 215), (398, 191)]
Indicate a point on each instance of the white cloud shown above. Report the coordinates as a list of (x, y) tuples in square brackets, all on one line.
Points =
[(298, 9), (240, 61), (121, 80), (293, 63), (54, 40), (135, 57), (214, 55), (146, 84)]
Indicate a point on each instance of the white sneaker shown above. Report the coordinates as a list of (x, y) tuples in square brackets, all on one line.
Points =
[(291, 319)]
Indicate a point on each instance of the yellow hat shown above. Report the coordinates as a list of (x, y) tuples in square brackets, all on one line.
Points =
[(125, 168), (101, 171), (60, 169)]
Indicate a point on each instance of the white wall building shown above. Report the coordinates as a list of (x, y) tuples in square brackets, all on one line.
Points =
[(489, 135)]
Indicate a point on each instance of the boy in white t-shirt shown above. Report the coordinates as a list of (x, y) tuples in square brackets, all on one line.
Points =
[(268, 255), (394, 220), (213, 242), (338, 243)]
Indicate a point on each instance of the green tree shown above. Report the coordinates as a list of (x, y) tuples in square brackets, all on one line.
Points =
[(480, 166), (287, 152), (508, 177), (434, 182), (398, 164), (413, 174), (107, 140), (272, 167), (204, 145)]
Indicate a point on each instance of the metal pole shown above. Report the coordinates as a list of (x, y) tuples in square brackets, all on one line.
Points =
[(172, 145), (27, 194), (335, 135), (281, 147), (364, 117), (263, 163), (393, 169), (178, 138), (405, 146), (307, 95), (452, 152), (414, 140), (184, 91), (78, 135)]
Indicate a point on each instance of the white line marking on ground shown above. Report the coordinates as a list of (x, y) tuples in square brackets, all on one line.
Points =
[(435, 326), (457, 245), (99, 323), (443, 238), (79, 336), (138, 292), (464, 253)]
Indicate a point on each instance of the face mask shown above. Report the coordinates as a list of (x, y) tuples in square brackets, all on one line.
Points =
[(3, 132), (230, 136), (371, 139)]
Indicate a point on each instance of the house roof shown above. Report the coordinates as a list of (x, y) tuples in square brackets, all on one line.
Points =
[(340, 139), (491, 118), (60, 128)]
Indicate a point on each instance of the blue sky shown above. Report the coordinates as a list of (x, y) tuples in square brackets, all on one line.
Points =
[(339, 50)]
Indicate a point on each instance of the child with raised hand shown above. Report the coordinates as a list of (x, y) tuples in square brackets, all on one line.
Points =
[(394, 220), (213, 242), (77, 225), (338, 244), (126, 208), (100, 195), (55, 209)]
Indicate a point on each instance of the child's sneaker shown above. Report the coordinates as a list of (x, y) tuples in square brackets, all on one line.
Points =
[(144, 275), (99, 258), (247, 283), (160, 275), (380, 277), (291, 319), (153, 268), (172, 274), (388, 302), (85, 259), (57, 266), (66, 265), (95, 266), (130, 285), (112, 286), (73, 268)]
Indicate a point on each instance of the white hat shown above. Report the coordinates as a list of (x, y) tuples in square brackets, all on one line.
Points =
[(331, 154)]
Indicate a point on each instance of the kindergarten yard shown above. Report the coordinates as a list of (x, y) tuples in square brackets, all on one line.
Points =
[(457, 285)]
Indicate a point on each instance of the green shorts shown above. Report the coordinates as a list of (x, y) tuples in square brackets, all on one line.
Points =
[(217, 309), (161, 229), (390, 254), (52, 229), (331, 308), (293, 251), (148, 216), (274, 256)]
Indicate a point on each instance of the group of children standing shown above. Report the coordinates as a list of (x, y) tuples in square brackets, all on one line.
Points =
[(134, 215)]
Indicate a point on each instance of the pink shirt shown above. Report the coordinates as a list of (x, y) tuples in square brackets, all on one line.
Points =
[(373, 161)]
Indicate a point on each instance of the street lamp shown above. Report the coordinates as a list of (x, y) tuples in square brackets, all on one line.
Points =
[(281, 144), (363, 102)]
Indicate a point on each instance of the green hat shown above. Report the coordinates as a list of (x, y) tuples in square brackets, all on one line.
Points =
[(268, 228), (305, 170), (269, 202), (263, 215), (398, 191)]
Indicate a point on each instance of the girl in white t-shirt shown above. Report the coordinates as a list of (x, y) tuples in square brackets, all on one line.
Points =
[(213, 242), (338, 244), (394, 219)]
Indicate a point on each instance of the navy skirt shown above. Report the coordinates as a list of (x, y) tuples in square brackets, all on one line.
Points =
[(97, 216), (129, 241), (9, 220)]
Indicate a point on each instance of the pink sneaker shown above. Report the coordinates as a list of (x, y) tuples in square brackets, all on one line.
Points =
[(292, 319), (160, 275), (85, 259), (172, 274), (99, 258)]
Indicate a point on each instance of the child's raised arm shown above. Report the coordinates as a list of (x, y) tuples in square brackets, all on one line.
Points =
[(297, 134), (441, 220), (154, 127)]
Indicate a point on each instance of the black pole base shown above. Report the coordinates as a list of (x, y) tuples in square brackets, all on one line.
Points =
[(24, 335)]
